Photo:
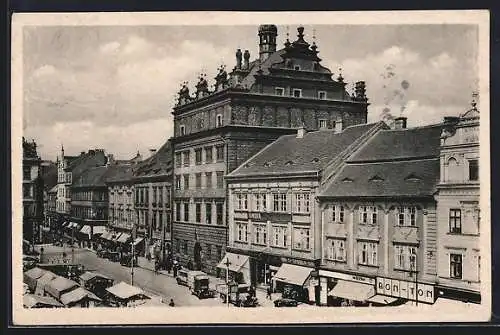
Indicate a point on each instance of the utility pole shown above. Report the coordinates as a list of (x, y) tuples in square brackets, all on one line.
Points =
[(415, 270), (73, 245), (227, 280)]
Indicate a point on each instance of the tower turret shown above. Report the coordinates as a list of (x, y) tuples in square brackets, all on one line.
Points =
[(267, 44)]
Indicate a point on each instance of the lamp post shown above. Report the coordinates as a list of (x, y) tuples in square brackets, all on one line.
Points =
[(227, 280), (413, 264)]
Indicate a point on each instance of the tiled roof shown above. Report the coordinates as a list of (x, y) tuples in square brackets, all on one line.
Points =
[(158, 164), (415, 178), (85, 161), (313, 152), (121, 173), (274, 58), (98, 176), (396, 144)]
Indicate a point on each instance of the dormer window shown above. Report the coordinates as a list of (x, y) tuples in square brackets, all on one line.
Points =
[(315, 66), (279, 91), (297, 93), (315, 160), (219, 120), (183, 130), (322, 95), (413, 177), (296, 67), (322, 124), (289, 163), (267, 164), (347, 180), (376, 179)]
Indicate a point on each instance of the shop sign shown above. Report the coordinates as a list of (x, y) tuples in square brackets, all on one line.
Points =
[(348, 277), (300, 262), (241, 215), (254, 216), (276, 217), (406, 289)]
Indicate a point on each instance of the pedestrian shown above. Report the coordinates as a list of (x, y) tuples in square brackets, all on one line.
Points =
[(269, 292), (175, 271), (171, 304)]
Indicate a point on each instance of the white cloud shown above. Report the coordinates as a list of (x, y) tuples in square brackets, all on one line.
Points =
[(44, 70), (110, 48)]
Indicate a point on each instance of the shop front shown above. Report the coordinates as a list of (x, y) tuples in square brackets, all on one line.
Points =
[(343, 289), (293, 282), (414, 291)]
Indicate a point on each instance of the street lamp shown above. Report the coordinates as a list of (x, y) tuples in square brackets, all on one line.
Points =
[(413, 269), (227, 263)]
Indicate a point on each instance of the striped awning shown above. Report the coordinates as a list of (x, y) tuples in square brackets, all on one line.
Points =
[(85, 230), (99, 230)]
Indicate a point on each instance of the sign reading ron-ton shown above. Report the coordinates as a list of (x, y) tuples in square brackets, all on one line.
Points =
[(406, 289)]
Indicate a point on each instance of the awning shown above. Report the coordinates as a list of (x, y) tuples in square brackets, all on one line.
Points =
[(99, 230), (106, 235), (72, 224), (38, 301), (85, 230), (137, 241), (123, 238), (236, 262), (382, 299), (123, 290), (116, 237), (77, 295), (292, 274), (352, 290)]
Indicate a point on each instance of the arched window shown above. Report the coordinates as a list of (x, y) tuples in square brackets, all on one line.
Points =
[(454, 172)]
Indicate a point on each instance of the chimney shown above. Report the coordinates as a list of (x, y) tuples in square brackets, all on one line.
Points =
[(82, 153), (400, 122), (152, 152), (110, 159), (246, 60), (301, 132)]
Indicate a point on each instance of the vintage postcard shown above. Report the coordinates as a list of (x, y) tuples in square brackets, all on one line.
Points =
[(268, 168)]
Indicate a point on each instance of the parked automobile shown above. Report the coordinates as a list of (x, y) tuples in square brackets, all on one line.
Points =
[(113, 256), (284, 302), (29, 262), (182, 277), (102, 253), (126, 260), (198, 284), (246, 300)]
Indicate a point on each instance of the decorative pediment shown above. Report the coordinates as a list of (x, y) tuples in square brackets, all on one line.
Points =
[(368, 232), (336, 230), (406, 235)]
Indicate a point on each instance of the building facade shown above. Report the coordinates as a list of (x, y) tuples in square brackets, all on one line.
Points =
[(216, 131), (379, 225), (32, 193), (152, 191), (274, 219), (459, 260)]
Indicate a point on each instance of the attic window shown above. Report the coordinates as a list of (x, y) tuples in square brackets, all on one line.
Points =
[(267, 164), (376, 178), (315, 160), (247, 165), (413, 177), (347, 180), (296, 67), (289, 163)]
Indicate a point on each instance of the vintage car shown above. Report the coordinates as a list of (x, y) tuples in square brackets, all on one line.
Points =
[(126, 260), (182, 277), (198, 284), (29, 262), (284, 302), (113, 256)]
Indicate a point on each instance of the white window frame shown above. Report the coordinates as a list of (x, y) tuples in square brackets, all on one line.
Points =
[(259, 204), (337, 250), (219, 120), (368, 215), (320, 93), (241, 231), (280, 236), (260, 234), (297, 90), (302, 202), (338, 213), (301, 238), (406, 216), (324, 122), (371, 252), (280, 202), (277, 89), (403, 259)]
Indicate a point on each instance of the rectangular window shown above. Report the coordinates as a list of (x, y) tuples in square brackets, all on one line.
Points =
[(368, 215), (322, 95), (198, 180), (302, 203), (323, 124), (260, 234), (160, 221), (219, 252), (473, 170), (407, 216), (280, 236), (260, 200), (178, 160), (301, 238), (198, 213), (456, 266), (183, 130), (186, 158), (279, 91), (455, 221), (186, 182), (177, 182), (297, 93), (279, 202), (336, 250), (219, 153), (220, 179), (185, 247), (241, 202), (241, 232), (186, 212), (208, 180), (208, 213), (219, 209), (219, 120), (198, 156), (177, 245), (338, 213), (208, 155), (296, 67), (26, 173), (154, 194), (405, 257), (367, 252)]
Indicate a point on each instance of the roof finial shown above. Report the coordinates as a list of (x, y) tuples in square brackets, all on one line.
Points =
[(287, 43), (475, 95), (340, 79)]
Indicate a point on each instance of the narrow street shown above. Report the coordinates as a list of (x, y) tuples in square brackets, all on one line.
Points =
[(157, 284)]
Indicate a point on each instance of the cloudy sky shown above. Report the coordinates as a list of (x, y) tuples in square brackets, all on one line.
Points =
[(114, 87)]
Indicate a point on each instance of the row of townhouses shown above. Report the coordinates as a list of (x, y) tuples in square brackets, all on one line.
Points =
[(275, 176)]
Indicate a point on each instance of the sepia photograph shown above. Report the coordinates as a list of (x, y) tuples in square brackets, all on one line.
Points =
[(229, 167)]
